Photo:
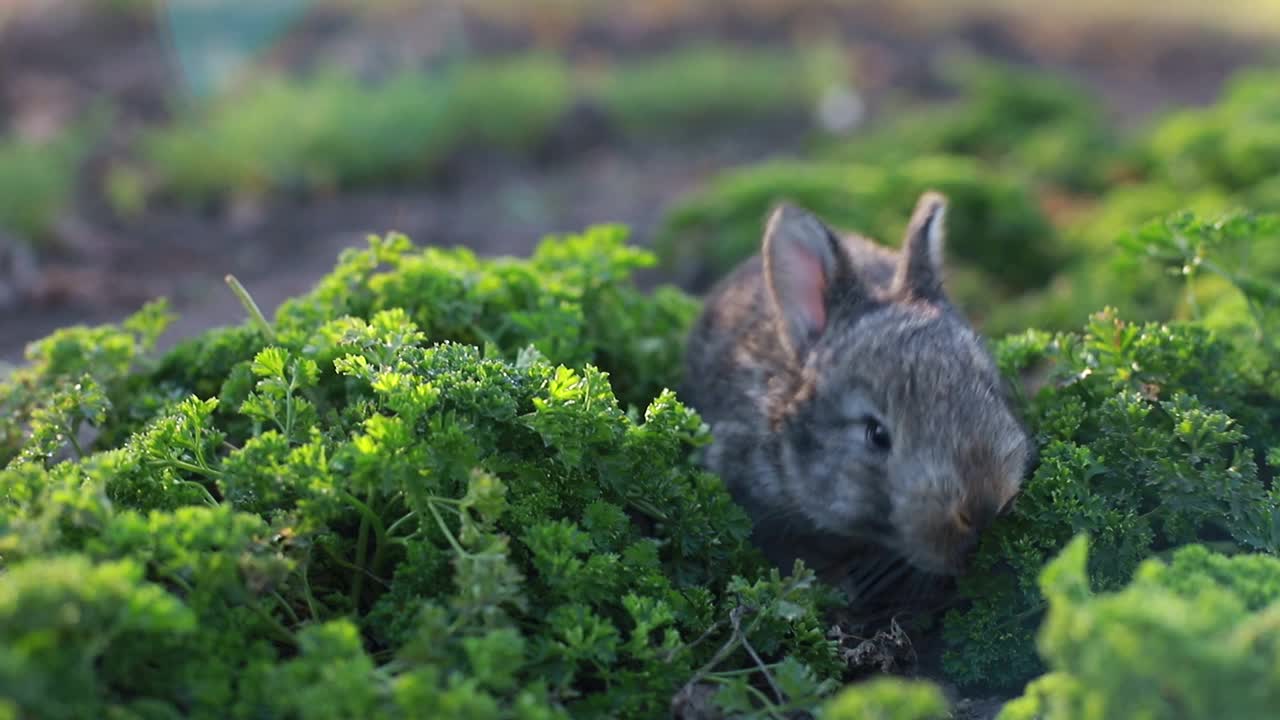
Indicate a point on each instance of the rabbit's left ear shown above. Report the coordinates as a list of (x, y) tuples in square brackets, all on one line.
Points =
[(803, 263), (920, 273)]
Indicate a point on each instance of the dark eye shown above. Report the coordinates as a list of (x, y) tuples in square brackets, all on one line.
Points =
[(878, 436)]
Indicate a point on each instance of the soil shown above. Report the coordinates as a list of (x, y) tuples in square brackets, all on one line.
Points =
[(59, 62)]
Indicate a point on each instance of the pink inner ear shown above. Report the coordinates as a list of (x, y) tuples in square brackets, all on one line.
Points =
[(812, 291)]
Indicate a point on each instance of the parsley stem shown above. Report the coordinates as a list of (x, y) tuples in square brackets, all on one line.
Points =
[(191, 467), (280, 631), (251, 307), (769, 707), (288, 405), (362, 549), (367, 512), (306, 589), (743, 671), (208, 497), (75, 443), (293, 615), (448, 535), (764, 669), (354, 568), (391, 529)]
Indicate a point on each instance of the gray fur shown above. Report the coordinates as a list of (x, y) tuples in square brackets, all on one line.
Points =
[(789, 423)]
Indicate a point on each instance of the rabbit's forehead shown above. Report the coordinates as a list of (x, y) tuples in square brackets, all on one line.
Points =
[(930, 374), (912, 353)]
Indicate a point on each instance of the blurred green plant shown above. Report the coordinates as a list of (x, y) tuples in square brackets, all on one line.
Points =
[(887, 699), (1232, 144), (125, 189), (333, 131), (37, 183), (704, 88), (1228, 269), (1213, 162), (1195, 637), (1030, 124), (996, 230), (1044, 191)]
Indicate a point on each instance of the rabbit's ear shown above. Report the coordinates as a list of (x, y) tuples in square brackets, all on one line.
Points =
[(802, 261), (920, 273)]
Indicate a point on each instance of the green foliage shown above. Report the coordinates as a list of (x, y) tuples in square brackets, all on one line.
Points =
[(1017, 152), (67, 616), (400, 502), (75, 375), (1227, 269), (37, 180), (341, 133), (571, 301), (1214, 265), (887, 699), (125, 190), (1032, 124), (705, 87), (446, 486), (1213, 161), (1150, 437), (512, 105), (1196, 637), (1232, 144), (334, 131)]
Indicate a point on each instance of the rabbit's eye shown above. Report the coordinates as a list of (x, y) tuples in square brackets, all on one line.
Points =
[(878, 436)]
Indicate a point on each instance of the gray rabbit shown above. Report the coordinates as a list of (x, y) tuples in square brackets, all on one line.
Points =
[(855, 414)]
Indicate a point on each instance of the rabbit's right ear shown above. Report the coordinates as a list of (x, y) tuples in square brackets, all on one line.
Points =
[(803, 260), (920, 273)]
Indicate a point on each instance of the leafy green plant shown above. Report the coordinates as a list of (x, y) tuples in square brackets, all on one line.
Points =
[(512, 105), (1151, 436), (334, 131), (1231, 144), (1154, 263), (125, 189), (37, 180), (1031, 123), (1226, 268), (704, 87), (887, 699), (394, 499), (1193, 637), (460, 487)]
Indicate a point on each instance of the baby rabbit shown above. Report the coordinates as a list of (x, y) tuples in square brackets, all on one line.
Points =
[(855, 414)]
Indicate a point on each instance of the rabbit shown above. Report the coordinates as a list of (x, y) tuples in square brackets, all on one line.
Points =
[(855, 414)]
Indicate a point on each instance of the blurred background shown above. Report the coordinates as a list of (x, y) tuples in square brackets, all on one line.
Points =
[(149, 147)]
